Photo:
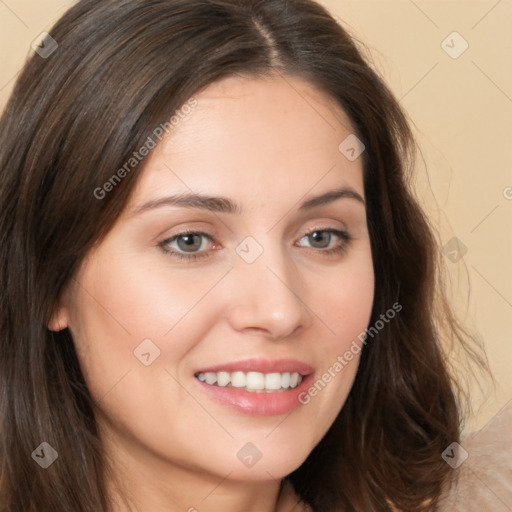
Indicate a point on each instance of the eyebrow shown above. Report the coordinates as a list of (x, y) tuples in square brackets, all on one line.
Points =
[(218, 204)]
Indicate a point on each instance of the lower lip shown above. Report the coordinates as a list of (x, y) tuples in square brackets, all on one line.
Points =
[(258, 403)]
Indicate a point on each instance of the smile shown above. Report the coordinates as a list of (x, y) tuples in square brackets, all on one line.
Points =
[(257, 387), (252, 381)]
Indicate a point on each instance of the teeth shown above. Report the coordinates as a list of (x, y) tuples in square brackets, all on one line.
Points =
[(223, 378), (238, 379), (273, 381), (255, 381), (252, 381), (210, 378)]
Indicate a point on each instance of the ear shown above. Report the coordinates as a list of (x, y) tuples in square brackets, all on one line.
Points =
[(59, 319)]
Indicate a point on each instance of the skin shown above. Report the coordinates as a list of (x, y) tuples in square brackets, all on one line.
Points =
[(267, 144)]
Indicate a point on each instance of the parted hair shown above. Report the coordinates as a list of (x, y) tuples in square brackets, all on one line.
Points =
[(121, 68)]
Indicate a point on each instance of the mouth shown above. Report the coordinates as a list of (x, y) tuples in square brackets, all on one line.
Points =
[(258, 387), (252, 381)]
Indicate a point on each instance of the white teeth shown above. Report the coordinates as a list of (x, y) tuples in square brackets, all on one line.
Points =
[(223, 378), (210, 378), (273, 381), (238, 379), (252, 381), (255, 380)]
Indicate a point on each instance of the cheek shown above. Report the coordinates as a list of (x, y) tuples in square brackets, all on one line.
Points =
[(343, 307), (151, 298), (345, 301), (126, 310)]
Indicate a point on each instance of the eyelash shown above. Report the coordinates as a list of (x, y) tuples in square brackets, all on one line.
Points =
[(344, 236)]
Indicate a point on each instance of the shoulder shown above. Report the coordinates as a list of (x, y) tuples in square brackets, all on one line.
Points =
[(483, 466)]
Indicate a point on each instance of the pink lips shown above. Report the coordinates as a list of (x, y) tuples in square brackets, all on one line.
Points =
[(261, 365), (259, 403)]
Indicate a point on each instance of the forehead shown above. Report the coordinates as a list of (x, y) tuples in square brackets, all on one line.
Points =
[(241, 107), (248, 136)]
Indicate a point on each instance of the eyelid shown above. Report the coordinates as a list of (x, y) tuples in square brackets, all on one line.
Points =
[(330, 229)]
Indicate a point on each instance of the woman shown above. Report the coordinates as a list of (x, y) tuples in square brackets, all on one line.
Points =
[(218, 291)]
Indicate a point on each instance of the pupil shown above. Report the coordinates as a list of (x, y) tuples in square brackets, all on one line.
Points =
[(189, 242), (321, 238)]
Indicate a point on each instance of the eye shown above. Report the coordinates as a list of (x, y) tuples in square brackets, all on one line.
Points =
[(190, 245), (320, 239), (328, 241)]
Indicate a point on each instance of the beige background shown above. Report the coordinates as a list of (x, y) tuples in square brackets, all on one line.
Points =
[(462, 114)]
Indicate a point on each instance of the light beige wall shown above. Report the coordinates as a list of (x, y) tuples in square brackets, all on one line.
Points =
[(462, 112)]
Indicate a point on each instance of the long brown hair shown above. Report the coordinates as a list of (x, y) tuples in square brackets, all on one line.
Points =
[(122, 68)]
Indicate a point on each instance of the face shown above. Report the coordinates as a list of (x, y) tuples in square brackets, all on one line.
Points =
[(211, 321)]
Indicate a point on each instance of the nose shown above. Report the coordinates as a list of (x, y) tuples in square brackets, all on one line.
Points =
[(267, 297)]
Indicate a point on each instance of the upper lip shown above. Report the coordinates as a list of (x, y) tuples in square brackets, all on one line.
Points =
[(261, 365)]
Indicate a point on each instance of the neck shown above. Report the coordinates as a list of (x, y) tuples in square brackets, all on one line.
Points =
[(142, 482)]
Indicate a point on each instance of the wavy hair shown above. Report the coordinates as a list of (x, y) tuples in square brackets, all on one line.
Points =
[(121, 68)]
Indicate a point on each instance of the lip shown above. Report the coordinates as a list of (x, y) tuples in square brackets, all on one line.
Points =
[(261, 365), (257, 403)]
